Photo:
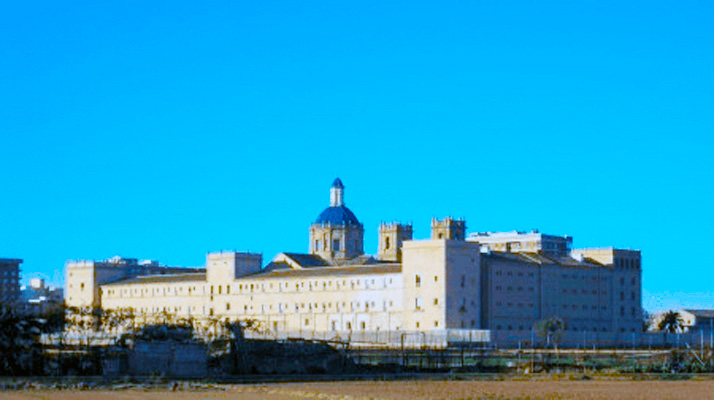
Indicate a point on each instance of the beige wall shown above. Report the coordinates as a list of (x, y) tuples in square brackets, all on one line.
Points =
[(303, 301), (433, 272), (596, 298), (463, 285), (83, 278), (626, 289)]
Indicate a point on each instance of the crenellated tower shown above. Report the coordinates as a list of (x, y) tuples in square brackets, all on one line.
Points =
[(448, 229), (391, 237)]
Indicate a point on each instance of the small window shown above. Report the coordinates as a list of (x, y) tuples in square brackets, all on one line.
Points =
[(335, 245), (418, 281)]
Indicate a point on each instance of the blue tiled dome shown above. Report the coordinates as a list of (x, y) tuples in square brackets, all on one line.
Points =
[(337, 216)]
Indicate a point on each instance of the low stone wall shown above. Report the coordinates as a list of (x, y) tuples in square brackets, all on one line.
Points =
[(174, 359)]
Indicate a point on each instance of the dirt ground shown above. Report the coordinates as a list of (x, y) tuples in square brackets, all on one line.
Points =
[(412, 390)]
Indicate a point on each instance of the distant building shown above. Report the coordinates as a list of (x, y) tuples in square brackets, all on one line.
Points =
[(9, 280), (37, 298), (698, 320), (526, 242)]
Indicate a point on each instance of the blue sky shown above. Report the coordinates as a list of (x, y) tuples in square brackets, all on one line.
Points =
[(167, 130)]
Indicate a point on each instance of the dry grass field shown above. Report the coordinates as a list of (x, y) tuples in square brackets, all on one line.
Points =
[(412, 390)]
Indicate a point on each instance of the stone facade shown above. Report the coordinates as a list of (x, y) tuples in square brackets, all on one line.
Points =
[(391, 238), (441, 285), (84, 278), (448, 229), (524, 288)]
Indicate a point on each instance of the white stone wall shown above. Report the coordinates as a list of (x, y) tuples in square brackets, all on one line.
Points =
[(314, 303)]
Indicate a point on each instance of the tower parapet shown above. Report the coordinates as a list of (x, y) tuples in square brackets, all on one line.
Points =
[(448, 229), (391, 237)]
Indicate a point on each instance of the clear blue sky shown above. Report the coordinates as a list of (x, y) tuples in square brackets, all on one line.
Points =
[(167, 130)]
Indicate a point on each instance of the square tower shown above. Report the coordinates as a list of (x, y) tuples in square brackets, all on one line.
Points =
[(391, 237), (448, 229), (226, 266), (441, 281)]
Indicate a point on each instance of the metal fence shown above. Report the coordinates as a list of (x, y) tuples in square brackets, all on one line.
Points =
[(589, 340), (385, 339)]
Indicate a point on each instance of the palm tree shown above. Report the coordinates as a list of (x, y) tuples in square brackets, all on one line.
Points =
[(551, 329), (671, 322)]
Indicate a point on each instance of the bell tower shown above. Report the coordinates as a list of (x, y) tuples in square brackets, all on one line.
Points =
[(448, 229), (391, 237)]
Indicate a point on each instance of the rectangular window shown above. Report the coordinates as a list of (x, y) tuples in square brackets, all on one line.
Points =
[(418, 281), (335, 245)]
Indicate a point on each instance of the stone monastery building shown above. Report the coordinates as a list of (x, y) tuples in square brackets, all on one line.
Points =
[(503, 282)]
